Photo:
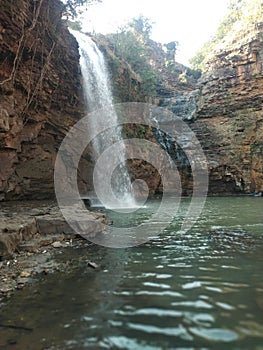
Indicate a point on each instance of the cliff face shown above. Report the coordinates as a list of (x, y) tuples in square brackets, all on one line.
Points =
[(41, 98), (40, 95), (225, 110), (230, 114)]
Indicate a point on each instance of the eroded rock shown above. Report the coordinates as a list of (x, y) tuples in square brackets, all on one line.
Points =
[(21, 222)]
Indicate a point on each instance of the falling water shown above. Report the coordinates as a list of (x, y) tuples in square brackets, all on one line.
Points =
[(100, 104)]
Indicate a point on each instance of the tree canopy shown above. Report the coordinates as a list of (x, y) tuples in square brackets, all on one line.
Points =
[(71, 6)]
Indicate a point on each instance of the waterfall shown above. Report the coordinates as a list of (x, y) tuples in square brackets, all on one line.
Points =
[(101, 109)]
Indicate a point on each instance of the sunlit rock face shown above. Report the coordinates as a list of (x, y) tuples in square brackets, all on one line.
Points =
[(41, 98), (230, 110), (224, 109), (40, 95)]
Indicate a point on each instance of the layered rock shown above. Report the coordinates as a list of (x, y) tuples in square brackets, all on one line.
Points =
[(230, 110), (25, 220), (40, 94), (225, 111), (41, 98)]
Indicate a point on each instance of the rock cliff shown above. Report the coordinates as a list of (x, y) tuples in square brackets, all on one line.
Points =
[(40, 95), (229, 114), (225, 110), (41, 98)]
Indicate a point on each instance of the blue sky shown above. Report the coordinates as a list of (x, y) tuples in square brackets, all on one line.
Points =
[(190, 22)]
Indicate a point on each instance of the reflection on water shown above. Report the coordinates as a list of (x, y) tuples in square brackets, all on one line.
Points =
[(199, 290)]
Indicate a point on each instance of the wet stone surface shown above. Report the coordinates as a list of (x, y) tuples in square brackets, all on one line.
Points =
[(31, 234), (32, 258)]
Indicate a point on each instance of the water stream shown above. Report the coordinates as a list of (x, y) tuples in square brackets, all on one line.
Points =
[(200, 290), (102, 113)]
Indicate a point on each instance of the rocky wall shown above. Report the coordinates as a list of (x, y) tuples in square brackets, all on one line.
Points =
[(225, 111), (41, 98), (230, 109), (40, 95)]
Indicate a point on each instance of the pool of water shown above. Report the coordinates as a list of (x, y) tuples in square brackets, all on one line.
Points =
[(197, 290)]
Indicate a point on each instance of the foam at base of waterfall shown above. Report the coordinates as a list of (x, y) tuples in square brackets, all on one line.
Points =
[(126, 206)]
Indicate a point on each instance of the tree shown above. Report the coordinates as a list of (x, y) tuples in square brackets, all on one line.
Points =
[(142, 26), (130, 45), (71, 6)]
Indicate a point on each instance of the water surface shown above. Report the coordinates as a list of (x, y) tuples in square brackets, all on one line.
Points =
[(198, 290)]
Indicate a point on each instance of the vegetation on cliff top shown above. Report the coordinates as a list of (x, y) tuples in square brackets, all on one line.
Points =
[(154, 64), (241, 15), (130, 44)]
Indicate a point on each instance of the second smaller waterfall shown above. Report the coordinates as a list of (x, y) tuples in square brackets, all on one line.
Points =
[(103, 116)]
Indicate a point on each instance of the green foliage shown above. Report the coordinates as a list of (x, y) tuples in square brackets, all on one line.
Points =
[(198, 62), (130, 45), (142, 27), (139, 131), (71, 6), (243, 12), (182, 78)]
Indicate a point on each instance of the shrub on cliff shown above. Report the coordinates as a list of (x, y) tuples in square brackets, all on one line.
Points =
[(130, 45), (241, 14)]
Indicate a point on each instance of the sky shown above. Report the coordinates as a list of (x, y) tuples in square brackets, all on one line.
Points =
[(189, 22)]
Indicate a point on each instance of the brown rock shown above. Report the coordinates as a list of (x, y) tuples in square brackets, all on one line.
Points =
[(230, 108), (40, 100)]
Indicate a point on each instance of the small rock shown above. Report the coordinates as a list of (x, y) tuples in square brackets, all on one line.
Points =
[(57, 244), (21, 281), (25, 273), (6, 290), (45, 242), (93, 265)]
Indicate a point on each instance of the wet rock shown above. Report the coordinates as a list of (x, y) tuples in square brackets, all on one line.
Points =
[(6, 290), (21, 281)]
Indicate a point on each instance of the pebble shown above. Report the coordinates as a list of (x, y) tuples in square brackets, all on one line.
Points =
[(22, 281), (25, 273), (57, 244)]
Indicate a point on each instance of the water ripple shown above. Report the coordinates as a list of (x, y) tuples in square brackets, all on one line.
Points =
[(168, 331), (157, 285), (151, 312), (215, 334)]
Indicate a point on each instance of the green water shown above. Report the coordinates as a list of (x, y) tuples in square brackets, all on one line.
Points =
[(197, 290)]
